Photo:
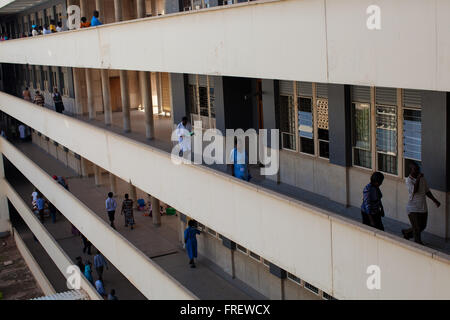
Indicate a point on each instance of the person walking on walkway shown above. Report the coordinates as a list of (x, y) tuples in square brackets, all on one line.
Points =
[(239, 162), (112, 295), (52, 209), (184, 136), (23, 134), (61, 181), (40, 205), (416, 207), (39, 99), (26, 94), (127, 211), (372, 208), (111, 206), (57, 98), (99, 264), (88, 272), (190, 239), (95, 21), (80, 264), (86, 244), (100, 288)]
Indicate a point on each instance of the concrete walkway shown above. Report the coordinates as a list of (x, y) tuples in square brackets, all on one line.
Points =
[(161, 244), (162, 142)]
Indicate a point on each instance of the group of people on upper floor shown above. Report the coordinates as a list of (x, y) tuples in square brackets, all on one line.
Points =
[(53, 27), (95, 21), (39, 99), (372, 209)]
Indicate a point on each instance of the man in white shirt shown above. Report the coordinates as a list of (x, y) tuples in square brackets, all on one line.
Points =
[(416, 208), (34, 197), (22, 132), (184, 136), (111, 206)]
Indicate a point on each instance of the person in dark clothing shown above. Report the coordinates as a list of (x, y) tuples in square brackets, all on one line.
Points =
[(190, 239), (52, 210), (57, 98), (80, 264), (372, 208), (87, 245)]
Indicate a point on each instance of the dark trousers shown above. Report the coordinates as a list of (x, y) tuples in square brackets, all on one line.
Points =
[(41, 215), (100, 272), (372, 220), (87, 246), (418, 224), (111, 217)]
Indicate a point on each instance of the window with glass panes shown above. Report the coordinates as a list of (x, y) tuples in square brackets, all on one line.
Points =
[(362, 155), (412, 128), (287, 115), (305, 117), (322, 119), (386, 129), (201, 100)]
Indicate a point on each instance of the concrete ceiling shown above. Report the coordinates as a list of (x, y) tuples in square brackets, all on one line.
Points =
[(15, 6)]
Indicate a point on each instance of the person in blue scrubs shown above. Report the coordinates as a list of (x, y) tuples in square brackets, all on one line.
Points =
[(190, 239), (239, 162), (95, 21)]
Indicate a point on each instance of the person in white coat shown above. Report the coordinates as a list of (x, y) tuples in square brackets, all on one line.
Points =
[(184, 136)]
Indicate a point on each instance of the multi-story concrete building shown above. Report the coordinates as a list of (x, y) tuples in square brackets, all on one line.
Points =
[(347, 99)]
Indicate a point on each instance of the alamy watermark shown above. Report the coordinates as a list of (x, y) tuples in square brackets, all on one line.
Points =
[(212, 147), (373, 281)]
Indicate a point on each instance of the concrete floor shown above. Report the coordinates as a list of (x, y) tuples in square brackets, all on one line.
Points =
[(161, 243), (16, 280)]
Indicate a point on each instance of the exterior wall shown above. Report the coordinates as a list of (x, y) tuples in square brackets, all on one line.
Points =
[(336, 45), (257, 276), (313, 174), (330, 251), (213, 249), (147, 276)]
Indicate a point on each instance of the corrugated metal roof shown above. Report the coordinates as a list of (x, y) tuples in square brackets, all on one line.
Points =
[(68, 295)]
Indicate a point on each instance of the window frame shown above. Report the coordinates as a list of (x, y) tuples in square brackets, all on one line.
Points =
[(211, 120), (397, 130), (370, 107)]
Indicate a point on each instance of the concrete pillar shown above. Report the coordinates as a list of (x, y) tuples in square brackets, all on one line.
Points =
[(154, 9), (83, 8), (90, 94), (112, 183), (435, 149), (4, 210), (125, 100), (140, 4), (118, 10), (159, 91), (179, 98), (133, 194), (106, 90), (99, 8), (84, 167), (155, 212), (146, 97), (339, 121), (97, 175), (78, 85)]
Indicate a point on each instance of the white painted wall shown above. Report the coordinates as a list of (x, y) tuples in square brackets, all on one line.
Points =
[(328, 251), (143, 273), (308, 40)]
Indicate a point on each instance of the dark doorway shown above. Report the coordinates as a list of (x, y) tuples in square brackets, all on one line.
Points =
[(238, 101)]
